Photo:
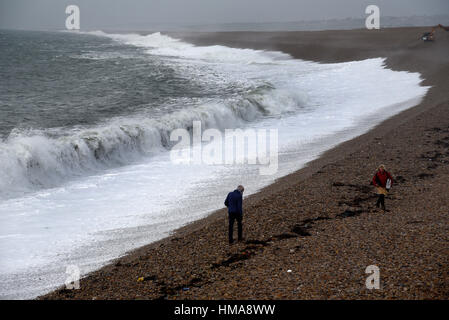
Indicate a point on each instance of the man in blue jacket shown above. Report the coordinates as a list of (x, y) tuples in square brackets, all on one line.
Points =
[(234, 203)]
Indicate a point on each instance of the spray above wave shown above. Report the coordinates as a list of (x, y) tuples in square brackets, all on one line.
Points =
[(163, 45)]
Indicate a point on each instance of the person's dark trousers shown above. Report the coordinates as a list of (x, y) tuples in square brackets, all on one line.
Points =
[(381, 201), (232, 218)]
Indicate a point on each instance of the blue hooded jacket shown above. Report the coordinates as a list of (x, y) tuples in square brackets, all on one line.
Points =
[(234, 202)]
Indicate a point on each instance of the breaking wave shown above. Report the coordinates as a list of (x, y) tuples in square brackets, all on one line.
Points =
[(45, 158)]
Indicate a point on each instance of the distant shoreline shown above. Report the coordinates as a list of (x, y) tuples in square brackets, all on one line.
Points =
[(350, 23)]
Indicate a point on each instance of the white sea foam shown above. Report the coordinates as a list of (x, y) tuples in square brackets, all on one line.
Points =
[(87, 195)]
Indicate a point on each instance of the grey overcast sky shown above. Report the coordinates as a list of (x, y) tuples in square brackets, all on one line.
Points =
[(141, 14)]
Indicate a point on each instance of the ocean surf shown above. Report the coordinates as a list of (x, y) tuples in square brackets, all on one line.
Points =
[(85, 169)]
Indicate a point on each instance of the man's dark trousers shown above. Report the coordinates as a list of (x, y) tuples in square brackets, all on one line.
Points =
[(232, 217)]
